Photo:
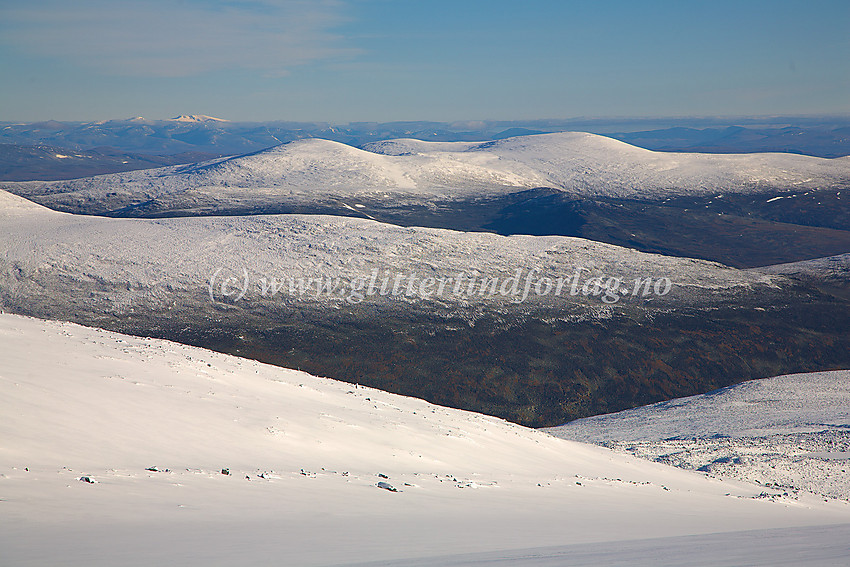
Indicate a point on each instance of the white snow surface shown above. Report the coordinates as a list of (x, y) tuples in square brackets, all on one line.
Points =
[(153, 425), (788, 433), (315, 170)]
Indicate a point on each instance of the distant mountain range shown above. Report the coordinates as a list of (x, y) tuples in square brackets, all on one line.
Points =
[(188, 134), (46, 163), (314, 170)]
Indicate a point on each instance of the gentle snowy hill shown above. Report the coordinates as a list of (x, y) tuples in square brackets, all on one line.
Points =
[(128, 451), (592, 165), (789, 432), (411, 172)]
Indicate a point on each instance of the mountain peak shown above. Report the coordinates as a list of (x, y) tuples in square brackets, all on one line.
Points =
[(197, 118)]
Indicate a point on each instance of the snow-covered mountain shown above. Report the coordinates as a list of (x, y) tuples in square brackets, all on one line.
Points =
[(111, 443), (337, 295), (789, 433), (414, 173)]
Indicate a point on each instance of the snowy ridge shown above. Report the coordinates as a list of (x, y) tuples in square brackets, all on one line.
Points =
[(313, 170), (119, 263), (151, 438)]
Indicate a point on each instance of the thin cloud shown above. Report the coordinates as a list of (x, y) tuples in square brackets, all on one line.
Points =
[(158, 38)]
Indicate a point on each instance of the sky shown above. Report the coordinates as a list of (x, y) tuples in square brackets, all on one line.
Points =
[(385, 60)]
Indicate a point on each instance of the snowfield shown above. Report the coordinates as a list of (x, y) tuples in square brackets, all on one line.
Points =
[(790, 434), (314, 172), (119, 450)]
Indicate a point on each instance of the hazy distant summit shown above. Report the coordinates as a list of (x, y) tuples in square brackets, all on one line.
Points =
[(197, 118)]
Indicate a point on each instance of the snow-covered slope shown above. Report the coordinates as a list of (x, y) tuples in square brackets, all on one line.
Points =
[(119, 451), (831, 267), (797, 403), (788, 432), (389, 173)]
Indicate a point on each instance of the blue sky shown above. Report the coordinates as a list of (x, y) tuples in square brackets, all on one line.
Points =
[(383, 60)]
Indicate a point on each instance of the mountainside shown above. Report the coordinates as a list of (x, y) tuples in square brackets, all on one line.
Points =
[(797, 403), (111, 442), (184, 252)]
